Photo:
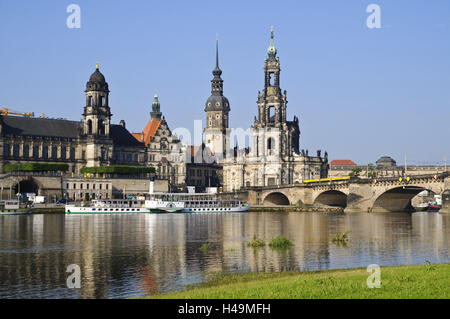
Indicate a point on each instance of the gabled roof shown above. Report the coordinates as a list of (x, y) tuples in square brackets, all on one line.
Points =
[(149, 131), (342, 163)]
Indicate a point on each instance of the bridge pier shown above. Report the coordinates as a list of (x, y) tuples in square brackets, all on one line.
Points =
[(446, 198), (359, 198)]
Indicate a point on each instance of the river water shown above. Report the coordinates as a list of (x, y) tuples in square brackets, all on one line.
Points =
[(126, 255)]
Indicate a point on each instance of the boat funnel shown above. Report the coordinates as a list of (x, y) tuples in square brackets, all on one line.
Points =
[(151, 187)]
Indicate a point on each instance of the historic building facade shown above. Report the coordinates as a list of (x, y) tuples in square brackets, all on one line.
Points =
[(94, 141), (275, 157)]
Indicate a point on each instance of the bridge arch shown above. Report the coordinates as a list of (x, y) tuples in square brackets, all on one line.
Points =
[(27, 185), (276, 198), (333, 198), (398, 199)]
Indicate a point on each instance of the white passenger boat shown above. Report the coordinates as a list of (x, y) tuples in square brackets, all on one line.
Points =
[(162, 203), (200, 203)]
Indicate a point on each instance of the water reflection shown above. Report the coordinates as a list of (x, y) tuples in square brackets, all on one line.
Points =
[(125, 255)]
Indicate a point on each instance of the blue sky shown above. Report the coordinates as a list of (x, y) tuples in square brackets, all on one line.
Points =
[(359, 93)]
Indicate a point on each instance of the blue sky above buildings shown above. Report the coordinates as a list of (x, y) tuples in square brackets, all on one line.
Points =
[(359, 93)]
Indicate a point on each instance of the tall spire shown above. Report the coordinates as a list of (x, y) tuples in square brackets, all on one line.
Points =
[(217, 51), (217, 72), (271, 51)]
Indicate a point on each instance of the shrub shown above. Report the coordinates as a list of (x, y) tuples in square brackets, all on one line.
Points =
[(35, 167), (204, 248), (256, 242), (280, 242), (341, 238)]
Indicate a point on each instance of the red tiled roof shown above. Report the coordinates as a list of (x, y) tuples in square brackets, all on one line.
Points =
[(149, 131), (342, 163)]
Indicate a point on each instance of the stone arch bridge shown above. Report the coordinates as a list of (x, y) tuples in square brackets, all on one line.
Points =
[(355, 195)]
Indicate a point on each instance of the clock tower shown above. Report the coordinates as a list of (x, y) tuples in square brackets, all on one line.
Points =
[(217, 109)]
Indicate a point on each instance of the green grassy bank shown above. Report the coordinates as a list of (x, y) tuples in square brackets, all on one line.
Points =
[(424, 281)]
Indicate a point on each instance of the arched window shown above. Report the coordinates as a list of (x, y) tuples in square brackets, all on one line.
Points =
[(63, 152), (45, 152), (6, 150), (26, 151), (101, 127), (72, 153), (16, 150), (35, 151), (270, 146), (89, 127), (271, 114)]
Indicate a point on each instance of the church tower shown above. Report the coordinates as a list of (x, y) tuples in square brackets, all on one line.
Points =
[(217, 108), (274, 135), (97, 120)]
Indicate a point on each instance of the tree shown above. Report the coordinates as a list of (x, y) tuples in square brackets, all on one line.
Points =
[(371, 171), (355, 172)]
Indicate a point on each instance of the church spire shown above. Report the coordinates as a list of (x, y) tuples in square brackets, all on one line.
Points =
[(217, 82), (271, 51), (217, 72)]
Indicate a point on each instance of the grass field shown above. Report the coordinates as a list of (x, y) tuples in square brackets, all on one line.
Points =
[(423, 281)]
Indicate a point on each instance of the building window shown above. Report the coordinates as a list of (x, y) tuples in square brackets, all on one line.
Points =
[(72, 153), (54, 152), (6, 150), (81, 186), (121, 157), (129, 157), (107, 186), (135, 157), (74, 186), (45, 152), (35, 151), (89, 100), (26, 151), (89, 127), (63, 152), (103, 154), (16, 150)]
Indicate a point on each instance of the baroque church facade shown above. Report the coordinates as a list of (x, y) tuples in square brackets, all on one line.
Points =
[(275, 157)]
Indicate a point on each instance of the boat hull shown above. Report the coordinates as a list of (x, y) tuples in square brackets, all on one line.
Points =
[(196, 210), (99, 211)]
